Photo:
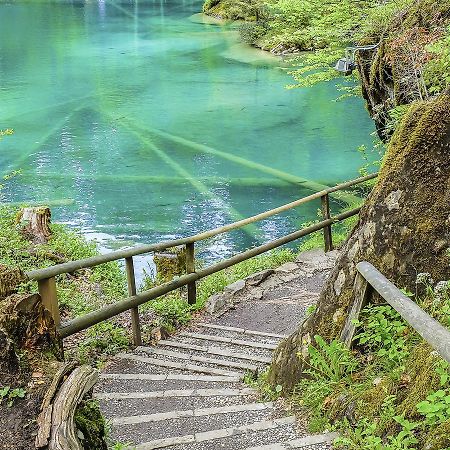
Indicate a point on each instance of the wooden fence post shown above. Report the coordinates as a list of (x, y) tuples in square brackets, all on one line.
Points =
[(135, 322), (47, 291), (190, 268), (361, 290), (327, 234)]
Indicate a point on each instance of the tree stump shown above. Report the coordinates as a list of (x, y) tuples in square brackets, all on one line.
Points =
[(10, 278), (36, 224)]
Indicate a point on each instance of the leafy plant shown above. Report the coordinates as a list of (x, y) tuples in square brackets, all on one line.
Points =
[(383, 333), (8, 394), (332, 361)]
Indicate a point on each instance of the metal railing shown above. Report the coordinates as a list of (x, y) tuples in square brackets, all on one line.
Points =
[(369, 279), (47, 282)]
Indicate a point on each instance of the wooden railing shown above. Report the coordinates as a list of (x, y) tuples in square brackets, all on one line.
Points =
[(369, 279), (47, 282)]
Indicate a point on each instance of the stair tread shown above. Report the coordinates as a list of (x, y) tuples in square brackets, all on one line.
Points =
[(196, 358), (215, 435)]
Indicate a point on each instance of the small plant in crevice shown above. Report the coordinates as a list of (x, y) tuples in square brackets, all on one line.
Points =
[(259, 382), (329, 362), (384, 333), (436, 406), (10, 395)]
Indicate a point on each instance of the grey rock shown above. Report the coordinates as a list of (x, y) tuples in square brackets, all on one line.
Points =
[(259, 277), (217, 302), (235, 287)]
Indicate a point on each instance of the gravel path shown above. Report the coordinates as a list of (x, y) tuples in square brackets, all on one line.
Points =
[(187, 392)]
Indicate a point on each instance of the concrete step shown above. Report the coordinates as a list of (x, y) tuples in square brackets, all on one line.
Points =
[(241, 331), (229, 340), (230, 436), (310, 442), (224, 346), (181, 366), (175, 393), (193, 357), (216, 351), (142, 404), (182, 413), (147, 383)]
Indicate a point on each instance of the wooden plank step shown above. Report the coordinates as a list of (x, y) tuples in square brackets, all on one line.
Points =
[(175, 393), (189, 357), (179, 366), (216, 351), (208, 337), (242, 330), (306, 441), (216, 434), (169, 377), (173, 415)]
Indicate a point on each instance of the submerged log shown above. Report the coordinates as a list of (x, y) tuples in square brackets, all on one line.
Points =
[(36, 223)]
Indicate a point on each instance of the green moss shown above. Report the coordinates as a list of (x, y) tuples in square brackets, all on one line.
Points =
[(423, 379), (90, 422), (170, 264), (439, 438)]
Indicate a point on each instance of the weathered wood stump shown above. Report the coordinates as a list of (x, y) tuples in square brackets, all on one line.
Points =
[(36, 224), (57, 430)]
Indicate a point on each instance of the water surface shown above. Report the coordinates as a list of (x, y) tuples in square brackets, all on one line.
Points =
[(144, 123)]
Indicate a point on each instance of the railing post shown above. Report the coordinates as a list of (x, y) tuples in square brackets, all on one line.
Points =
[(190, 268), (327, 234), (47, 291), (135, 322), (361, 291)]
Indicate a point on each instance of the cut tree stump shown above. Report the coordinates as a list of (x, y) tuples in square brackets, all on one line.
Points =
[(63, 434), (36, 224)]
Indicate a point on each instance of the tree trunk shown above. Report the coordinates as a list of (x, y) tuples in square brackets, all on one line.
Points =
[(36, 224), (404, 229)]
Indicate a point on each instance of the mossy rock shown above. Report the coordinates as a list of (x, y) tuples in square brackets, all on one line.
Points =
[(403, 229), (170, 264)]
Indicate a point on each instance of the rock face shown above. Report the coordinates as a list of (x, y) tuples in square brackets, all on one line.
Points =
[(391, 76), (404, 229)]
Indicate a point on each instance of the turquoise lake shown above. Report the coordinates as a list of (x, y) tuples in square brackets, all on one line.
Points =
[(140, 121)]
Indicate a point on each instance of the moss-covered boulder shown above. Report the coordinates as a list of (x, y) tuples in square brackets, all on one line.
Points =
[(404, 229)]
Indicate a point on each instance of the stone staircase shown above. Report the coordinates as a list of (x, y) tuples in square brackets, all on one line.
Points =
[(188, 393)]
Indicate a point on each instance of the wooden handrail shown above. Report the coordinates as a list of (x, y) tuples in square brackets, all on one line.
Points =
[(430, 329), (46, 277), (72, 266), (92, 318)]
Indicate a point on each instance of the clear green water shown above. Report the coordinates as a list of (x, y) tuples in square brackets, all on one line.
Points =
[(88, 86)]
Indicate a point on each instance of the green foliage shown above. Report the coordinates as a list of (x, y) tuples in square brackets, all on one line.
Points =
[(436, 407), (437, 70), (330, 362), (364, 436), (172, 311), (383, 333), (395, 117), (266, 391), (101, 340), (9, 395)]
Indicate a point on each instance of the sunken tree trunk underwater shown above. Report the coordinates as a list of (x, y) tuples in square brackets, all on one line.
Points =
[(404, 229)]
